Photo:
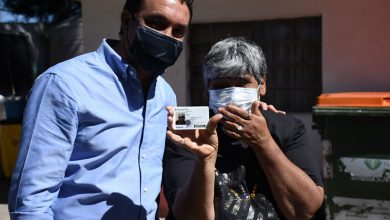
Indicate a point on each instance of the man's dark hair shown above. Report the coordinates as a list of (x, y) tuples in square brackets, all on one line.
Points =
[(134, 6)]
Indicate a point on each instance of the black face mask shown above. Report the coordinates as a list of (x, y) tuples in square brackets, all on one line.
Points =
[(154, 51)]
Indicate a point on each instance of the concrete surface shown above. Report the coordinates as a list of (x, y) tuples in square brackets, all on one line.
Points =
[(5, 216), (4, 212)]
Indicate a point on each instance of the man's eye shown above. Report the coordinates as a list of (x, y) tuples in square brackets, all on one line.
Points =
[(155, 24), (178, 33)]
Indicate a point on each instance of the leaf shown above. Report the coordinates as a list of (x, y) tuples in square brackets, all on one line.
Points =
[(372, 164)]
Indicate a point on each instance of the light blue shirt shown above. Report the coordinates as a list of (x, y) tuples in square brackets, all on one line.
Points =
[(91, 147)]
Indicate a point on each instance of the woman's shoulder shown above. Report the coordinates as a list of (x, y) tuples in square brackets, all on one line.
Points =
[(278, 119), (283, 126)]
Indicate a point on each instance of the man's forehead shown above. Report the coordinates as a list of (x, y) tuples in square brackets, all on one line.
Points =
[(176, 11), (174, 6)]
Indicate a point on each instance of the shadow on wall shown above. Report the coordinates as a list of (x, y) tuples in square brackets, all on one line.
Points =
[(29, 49)]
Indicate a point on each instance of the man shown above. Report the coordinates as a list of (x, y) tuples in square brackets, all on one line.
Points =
[(181, 119), (94, 126), (247, 163)]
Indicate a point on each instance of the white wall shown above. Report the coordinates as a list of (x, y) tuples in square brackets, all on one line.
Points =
[(356, 45), (244, 10), (101, 19), (356, 36)]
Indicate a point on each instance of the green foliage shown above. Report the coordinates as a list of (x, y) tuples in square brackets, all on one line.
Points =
[(46, 11)]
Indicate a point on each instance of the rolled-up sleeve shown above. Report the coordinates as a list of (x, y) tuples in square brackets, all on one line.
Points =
[(49, 131)]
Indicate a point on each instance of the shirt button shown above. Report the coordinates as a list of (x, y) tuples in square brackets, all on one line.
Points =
[(146, 189), (139, 91), (143, 156)]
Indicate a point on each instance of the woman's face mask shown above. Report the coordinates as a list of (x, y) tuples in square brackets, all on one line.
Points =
[(238, 96), (154, 51)]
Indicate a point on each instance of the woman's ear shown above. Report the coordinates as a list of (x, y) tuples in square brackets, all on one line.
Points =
[(206, 93), (263, 87)]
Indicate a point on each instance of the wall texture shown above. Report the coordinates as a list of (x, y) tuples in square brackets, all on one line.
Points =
[(356, 45), (356, 36)]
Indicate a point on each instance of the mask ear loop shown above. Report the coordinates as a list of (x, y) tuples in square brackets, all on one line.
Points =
[(258, 92)]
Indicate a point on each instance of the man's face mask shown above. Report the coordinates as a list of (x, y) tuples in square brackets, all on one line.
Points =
[(154, 51), (238, 96)]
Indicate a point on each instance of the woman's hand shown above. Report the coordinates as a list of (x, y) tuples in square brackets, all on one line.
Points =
[(204, 143), (250, 128)]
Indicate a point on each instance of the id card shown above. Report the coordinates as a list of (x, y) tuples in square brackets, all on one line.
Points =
[(188, 118)]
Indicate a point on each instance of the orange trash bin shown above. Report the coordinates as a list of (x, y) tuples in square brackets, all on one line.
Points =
[(355, 129)]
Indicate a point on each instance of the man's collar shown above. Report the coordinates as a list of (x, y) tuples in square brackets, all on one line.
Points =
[(118, 65)]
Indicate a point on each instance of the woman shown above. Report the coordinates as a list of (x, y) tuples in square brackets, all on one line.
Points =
[(247, 163)]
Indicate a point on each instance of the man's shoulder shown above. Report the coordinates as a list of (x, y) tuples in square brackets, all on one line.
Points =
[(75, 63), (76, 74), (80, 70), (164, 85), (161, 81)]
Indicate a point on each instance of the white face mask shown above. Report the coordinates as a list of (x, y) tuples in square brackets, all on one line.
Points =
[(238, 96)]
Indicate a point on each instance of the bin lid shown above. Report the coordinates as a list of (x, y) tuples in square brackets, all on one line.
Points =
[(355, 99)]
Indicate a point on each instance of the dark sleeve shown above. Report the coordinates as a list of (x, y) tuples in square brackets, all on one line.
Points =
[(299, 152), (178, 166)]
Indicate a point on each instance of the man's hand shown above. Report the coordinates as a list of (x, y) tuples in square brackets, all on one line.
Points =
[(264, 106)]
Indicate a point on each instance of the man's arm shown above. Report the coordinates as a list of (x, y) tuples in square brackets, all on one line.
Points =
[(296, 194), (49, 130)]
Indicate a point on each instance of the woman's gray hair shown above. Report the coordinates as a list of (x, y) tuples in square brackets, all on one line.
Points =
[(234, 57)]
